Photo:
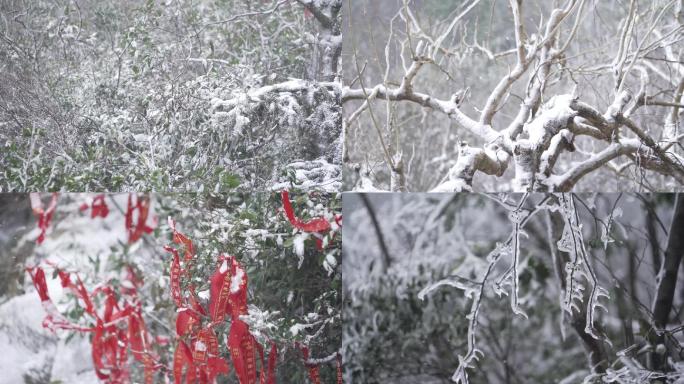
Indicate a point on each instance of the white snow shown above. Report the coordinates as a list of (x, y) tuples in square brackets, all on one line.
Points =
[(204, 295), (298, 246), (297, 328), (330, 263), (200, 346), (26, 344), (224, 266), (236, 281)]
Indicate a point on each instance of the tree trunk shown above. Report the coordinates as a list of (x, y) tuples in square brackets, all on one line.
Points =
[(667, 280)]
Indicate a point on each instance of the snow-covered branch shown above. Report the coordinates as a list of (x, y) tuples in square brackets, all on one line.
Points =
[(555, 115)]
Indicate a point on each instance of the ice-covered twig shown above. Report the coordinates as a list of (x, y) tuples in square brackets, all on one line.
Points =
[(572, 242), (476, 290)]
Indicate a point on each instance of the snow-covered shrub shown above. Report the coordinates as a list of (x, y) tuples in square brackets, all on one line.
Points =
[(177, 96)]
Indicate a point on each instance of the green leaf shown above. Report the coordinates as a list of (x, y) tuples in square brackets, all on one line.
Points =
[(230, 180)]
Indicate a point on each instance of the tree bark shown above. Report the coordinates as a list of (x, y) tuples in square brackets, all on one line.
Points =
[(386, 261), (662, 305), (667, 279)]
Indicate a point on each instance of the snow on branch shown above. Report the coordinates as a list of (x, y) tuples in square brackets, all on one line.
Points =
[(538, 138)]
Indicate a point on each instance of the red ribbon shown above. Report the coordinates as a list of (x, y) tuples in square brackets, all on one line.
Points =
[(195, 303), (98, 347), (99, 207), (272, 358), (228, 290), (78, 289), (201, 357), (38, 277), (109, 345), (139, 341), (186, 322), (202, 360), (175, 277), (142, 206), (44, 215), (217, 366), (176, 270), (219, 299), (314, 373), (183, 240), (198, 360), (182, 358), (316, 225), (339, 368), (241, 346)]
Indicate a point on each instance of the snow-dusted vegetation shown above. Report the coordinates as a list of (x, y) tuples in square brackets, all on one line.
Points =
[(517, 288), (512, 95), (177, 95), (153, 269)]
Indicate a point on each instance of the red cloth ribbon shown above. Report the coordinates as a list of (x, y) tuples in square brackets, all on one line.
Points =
[(228, 290), (187, 322), (78, 289), (316, 225), (142, 206), (38, 277), (43, 214), (272, 358), (139, 342), (181, 239), (110, 342), (175, 277), (196, 359), (98, 205), (195, 303), (314, 372), (217, 366), (241, 346), (176, 270), (200, 360), (339, 368), (219, 299), (182, 359)]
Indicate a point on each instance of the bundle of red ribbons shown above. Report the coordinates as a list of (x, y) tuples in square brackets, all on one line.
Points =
[(197, 357), (121, 327), (117, 329), (136, 219)]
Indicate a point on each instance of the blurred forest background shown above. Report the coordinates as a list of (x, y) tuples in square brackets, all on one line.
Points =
[(402, 244)]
